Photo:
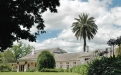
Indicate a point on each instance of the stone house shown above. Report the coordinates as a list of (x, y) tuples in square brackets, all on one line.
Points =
[(62, 58)]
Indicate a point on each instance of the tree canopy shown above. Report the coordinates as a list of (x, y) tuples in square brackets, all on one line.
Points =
[(84, 27), (21, 50), (15, 14), (8, 56), (45, 60)]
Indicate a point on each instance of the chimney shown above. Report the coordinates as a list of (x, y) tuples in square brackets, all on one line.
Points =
[(87, 48), (33, 51)]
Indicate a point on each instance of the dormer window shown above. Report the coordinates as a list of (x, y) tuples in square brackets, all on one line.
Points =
[(87, 59)]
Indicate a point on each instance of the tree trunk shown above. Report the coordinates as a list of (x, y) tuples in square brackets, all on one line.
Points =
[(84, 44), (113, 50), (119, 50)]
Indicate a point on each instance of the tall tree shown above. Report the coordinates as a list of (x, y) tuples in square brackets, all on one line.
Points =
[(8, 56), (85, 27), (21, 50), (112, 42), (15, 14)]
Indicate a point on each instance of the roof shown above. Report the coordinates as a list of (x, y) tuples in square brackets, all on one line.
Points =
[(58, 57), (67, 56), (37, 52)]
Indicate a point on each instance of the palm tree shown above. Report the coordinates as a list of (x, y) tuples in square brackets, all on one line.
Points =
[(112, 42), (85, 27)]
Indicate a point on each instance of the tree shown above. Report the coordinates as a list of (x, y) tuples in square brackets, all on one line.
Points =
[(8, 56), (45, 60), (118, 42), (21, 50), (118, 50), (112, 42), (85, 27), (15, 14)]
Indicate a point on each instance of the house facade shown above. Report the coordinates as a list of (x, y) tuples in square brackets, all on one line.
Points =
[(62, 58)]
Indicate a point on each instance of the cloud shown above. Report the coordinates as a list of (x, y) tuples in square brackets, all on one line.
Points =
[(107, 20)]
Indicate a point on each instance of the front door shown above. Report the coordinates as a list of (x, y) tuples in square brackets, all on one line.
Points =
[(21, 68)]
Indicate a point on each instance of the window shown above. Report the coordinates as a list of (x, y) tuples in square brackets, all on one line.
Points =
[(74, 62), (35, 64), (61, 66), (31, 63), (67, 66)]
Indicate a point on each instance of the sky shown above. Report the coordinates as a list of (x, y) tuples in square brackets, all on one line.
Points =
[(107, 14)]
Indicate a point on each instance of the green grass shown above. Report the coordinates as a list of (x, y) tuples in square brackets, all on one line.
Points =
[(37, 73)]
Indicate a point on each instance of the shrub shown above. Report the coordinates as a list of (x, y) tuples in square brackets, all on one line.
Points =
[(49, 70), (61, 70), (105, 66), (5, 68), (81, 69), (45, 60)]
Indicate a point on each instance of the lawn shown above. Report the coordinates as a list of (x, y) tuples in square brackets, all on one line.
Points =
[(37, 73)]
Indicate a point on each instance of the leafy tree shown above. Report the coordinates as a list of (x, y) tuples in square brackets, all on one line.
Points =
[(45, 60), (15, 14), (85, 27), (8, 56), (21, 50)]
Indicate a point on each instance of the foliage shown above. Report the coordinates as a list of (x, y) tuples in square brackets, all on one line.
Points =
[(105, 66), (45, 60), (5, 68), (18, 16), (49, 70), (81, 69), (20, 50), (85, 27), (113, 42), (37, 73), (8, 56)]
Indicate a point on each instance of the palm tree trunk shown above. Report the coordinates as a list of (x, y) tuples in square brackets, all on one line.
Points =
[(84, 44), (119, 50), (113, 50)]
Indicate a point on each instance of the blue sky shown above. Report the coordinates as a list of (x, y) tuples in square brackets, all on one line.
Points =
[(54, 33), (107, 14)]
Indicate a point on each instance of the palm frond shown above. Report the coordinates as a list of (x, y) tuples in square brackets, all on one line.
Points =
[(84, 27)]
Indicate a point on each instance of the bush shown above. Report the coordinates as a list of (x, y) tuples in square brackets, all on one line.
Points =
[(5, 68), (45, 60), (105, 66), (31, 70), (49, 70), (61, 70), (53, 70), (81, 69)]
